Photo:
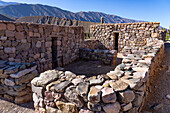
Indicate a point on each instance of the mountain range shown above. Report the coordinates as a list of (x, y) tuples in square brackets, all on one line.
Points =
[(22, 10), (2, 3)]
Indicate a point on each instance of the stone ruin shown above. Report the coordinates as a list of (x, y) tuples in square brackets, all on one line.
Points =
[(15, 80), (57, 90)]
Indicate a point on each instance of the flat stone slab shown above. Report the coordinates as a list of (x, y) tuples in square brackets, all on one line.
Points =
[(60, 87), (96, 81), (11, 70), (23, 72), (45, 78), (118, 85), (9, 82)]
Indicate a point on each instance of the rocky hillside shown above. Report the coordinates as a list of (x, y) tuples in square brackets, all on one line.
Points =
[(5, 18), (21, 10), (56, 21)]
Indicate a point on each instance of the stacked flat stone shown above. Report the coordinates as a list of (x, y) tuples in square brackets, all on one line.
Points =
[(93, 44), (42, 44), (130, 34), (108, 57), (65, 92), (121, 90), (15, 81)]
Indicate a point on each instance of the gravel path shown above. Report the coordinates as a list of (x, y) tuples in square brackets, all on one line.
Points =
[(157, 102)]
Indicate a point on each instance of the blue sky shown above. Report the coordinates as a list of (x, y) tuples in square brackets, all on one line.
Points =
[(147, 10)]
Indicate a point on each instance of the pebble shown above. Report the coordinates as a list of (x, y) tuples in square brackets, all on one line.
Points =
[(168, 96)]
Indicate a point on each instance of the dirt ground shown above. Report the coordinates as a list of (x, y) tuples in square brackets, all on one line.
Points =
[(91, 68), (160, 87), (88, 68), (9, 107)]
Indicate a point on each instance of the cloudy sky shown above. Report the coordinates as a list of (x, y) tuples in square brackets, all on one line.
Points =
[(147, 10)]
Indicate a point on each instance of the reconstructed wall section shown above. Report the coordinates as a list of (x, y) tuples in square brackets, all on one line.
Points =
[(24, 42), (130, 34)]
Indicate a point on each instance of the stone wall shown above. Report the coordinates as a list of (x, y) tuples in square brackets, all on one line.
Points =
[(121, 90), (66, 45), (130, 34), (147, 60), (108, 57), (26, 42), (93, 44), (15, 80), (162, 35)]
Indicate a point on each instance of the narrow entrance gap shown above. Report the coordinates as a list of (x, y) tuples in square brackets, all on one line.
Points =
[(54, 52), (116, 40)]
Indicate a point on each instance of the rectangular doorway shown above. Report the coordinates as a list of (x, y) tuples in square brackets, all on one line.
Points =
[(54, 52), (116, 36)]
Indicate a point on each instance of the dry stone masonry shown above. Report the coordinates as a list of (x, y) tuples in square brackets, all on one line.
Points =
[(15, 80), (42, 44), (108, 57), (58, 90), (121, 90), (130, 34)]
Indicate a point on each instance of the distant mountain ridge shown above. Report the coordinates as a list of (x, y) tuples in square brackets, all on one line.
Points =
[(22, 10), (2, 3)]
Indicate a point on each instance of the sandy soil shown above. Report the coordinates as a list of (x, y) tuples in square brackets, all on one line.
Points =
[(160, 87), (9, 107)]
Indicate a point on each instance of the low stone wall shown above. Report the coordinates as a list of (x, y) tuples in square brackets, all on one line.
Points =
[(108, 57), (15, 80), (144, 62), (162, 35), (121, 90), (93, 44)]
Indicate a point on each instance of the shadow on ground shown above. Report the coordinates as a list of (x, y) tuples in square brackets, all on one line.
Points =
[(89, 68)]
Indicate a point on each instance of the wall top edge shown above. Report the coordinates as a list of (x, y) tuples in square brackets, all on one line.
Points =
[(126, 23), (36, 24)]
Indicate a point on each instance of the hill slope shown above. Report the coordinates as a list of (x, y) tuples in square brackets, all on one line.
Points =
[(21, 10), (2, 3), (5, 18)]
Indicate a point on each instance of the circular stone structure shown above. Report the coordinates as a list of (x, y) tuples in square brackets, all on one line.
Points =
[(121, 90)]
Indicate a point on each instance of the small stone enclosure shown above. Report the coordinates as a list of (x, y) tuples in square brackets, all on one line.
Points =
[(122, 89)]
